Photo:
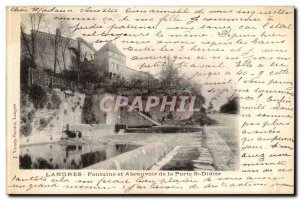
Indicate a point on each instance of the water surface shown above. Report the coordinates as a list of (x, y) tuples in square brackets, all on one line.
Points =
[(57, 156)]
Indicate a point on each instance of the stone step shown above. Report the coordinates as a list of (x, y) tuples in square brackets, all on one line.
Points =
[(206, 161), (203, 163), (205, 158), (199, 167), (204, 150), (205, 155)]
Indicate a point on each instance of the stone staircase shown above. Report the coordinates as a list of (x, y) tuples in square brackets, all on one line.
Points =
[(190, 142), (145, 117), (205, 160)]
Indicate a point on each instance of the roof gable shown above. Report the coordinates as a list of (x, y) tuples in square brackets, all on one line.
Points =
[(80, 39), (109, 46)]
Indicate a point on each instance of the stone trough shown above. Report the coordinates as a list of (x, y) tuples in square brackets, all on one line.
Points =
[(142, 158), (164, 129)]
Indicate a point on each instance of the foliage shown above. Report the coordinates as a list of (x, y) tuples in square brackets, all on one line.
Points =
[(231, 107), (26, 129), (88, 114), (38, 96), (55, 99), (26, 121), (25, 162), (197, 119), (26, 63), (43, 123), (89, 72), (170, 77), (69, 75), (202, 110)]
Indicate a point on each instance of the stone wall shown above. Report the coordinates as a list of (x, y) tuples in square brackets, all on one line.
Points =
[(141, 158), (93, 114), (48, 123), (223, 158), (67, 51), (133, 119), (92, 127)]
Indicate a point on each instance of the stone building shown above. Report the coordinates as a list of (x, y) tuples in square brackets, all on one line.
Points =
[(57, 53), (69, 52), (112, 59), (54, 51), (109, 57)]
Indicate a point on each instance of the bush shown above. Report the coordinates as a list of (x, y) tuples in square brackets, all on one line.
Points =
[(43, 123), (26, 129), (31, 115), (49, 106), (197, 119), (26, 63), (231, 107), (24, 120), (56, 101), (25, 162), (38, 96)]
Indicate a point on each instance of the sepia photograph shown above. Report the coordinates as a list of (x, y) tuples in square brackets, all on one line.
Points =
[(84, 107)]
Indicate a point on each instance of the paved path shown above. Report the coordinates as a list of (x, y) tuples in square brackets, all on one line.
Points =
[(223, 141)]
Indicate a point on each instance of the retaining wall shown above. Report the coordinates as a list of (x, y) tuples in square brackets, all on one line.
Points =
[(139, 159), (91, 127), (221, 153), (165, 129)]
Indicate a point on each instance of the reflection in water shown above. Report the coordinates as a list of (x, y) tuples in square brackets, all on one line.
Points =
[(56, 156), (91, 158)]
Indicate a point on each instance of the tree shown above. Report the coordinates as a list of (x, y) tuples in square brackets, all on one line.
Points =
[(60, 44), (172, 81), (55, 43), (231, 106), (30, 42), (64, 41), (144, 80), (90, 73), (169, 76)]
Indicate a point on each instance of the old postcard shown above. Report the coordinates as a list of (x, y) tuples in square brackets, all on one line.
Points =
[(150, 100)]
